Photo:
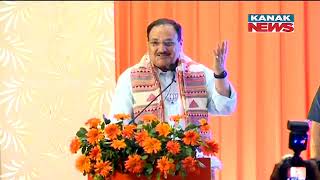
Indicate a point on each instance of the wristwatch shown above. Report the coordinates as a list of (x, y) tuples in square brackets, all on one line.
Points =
[(222, 75)]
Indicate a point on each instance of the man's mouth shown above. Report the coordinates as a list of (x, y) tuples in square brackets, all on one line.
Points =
[(163, 55)]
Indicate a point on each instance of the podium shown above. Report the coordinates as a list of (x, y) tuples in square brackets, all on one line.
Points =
[(205, 174)]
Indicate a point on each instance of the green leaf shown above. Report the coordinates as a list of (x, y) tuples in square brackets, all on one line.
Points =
[(154, 123), (82, 132), (191, 126), (128, 150), (140, 126), (144, 157), (149, 168), (103, 156), (188, 151), (183, 173), (178, 166), (148, 165), (83, 150), (158, 176), (103, 125), (98, 177)]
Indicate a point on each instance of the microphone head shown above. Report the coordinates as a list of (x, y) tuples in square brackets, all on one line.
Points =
[(172, 67)]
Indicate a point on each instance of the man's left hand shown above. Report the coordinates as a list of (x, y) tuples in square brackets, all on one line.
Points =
[(220, 57)]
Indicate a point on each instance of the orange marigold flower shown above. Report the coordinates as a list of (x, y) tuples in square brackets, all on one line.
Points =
[(177, 118), (75, 145), (94, 135), (83, 164), (203, 121), (163, 129), (148, 118), (134, 164), (210, 148), (95, 153), (141, 136), (173, 147), (191, 138), (151, 145), (103, 168), (190, 164), (164, 165), (128, 131), (93, 122), (205, 128), (112, 131), (118, 144), (122, 116)]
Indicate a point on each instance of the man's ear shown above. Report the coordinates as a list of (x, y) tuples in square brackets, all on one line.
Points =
[(181, 42), (181, 45)]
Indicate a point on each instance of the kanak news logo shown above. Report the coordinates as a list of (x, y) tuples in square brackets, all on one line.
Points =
[(271, 22)]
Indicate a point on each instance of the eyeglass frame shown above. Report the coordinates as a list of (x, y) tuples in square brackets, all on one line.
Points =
[(155, 43)]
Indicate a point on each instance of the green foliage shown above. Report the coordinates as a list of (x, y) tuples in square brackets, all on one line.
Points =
[(82, 133)]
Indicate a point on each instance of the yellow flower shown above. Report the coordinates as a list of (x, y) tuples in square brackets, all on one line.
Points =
[(83, 163), (122, 116), (177, 118), (163, 129), (190, 164), (173, 147), (94, 135), (205, 128), (149, 118), (141, 136), (75, 145), (151, 145), (93, 122), (118, 144), (134, 164), (112, 131), (103, 168), (164, 165), (128, 131), (191, 138), (203, 122), (210, 147), (95, 153)]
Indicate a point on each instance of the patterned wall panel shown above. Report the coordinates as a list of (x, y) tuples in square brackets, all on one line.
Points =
[(56, 71)]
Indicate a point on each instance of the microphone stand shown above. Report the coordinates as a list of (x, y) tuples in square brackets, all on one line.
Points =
[(173, 80)]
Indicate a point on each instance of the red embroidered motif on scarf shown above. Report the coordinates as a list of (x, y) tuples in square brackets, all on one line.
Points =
[(143, 81)]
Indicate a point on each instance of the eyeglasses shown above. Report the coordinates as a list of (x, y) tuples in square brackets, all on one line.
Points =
[(165, 43)]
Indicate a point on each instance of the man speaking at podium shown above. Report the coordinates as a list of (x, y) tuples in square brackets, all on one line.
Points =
[(195, 91), (166, 82)]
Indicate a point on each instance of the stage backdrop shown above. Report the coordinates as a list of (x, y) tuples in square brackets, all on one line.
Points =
[(57, 70), (275, 74)]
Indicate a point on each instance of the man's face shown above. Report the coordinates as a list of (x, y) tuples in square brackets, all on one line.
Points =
[(163, 46)]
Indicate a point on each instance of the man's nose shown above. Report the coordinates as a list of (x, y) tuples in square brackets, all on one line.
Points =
[(162, 47)]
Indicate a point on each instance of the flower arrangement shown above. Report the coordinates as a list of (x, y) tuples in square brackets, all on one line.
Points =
[(152, 148)]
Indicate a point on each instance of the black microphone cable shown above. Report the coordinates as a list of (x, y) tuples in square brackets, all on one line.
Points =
[(172, 68)]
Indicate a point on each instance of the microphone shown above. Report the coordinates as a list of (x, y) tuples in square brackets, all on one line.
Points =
[(172, 67)]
